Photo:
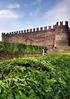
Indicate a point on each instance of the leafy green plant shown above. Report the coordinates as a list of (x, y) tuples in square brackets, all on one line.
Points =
[(46, 77), (20, 48)]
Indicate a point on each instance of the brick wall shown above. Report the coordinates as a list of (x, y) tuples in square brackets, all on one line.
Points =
[(58, 35)]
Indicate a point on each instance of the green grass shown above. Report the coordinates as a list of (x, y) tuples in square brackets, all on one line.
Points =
[(46, 77)]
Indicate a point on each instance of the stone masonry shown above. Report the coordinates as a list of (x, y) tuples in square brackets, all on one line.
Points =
[(53, 38)]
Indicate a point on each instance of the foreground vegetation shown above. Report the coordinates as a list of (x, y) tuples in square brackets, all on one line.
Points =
[(16, 48), (46, 77)]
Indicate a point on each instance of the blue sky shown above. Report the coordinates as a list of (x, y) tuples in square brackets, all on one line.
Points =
[(23, 14)]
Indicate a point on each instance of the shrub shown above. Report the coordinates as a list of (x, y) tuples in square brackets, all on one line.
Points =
[(46, 77)]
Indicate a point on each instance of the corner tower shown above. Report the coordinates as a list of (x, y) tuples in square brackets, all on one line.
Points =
[(61, 36)]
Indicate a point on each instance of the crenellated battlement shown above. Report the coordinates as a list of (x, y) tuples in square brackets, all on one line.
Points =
[(56, 35), (49, 28)]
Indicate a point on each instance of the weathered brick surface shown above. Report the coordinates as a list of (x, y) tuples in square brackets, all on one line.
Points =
[(54, 37)]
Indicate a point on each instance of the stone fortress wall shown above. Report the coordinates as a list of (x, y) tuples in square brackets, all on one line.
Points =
[(55, 37)]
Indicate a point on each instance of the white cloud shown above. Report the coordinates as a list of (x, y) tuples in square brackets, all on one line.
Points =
[(13, 6), (7, 20), (8, 14), (60, 11)]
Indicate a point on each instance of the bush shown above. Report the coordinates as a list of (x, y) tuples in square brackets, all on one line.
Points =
[(20, 48), (46, 77)]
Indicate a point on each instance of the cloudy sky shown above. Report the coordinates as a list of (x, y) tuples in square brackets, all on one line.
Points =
[(23, 14)]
